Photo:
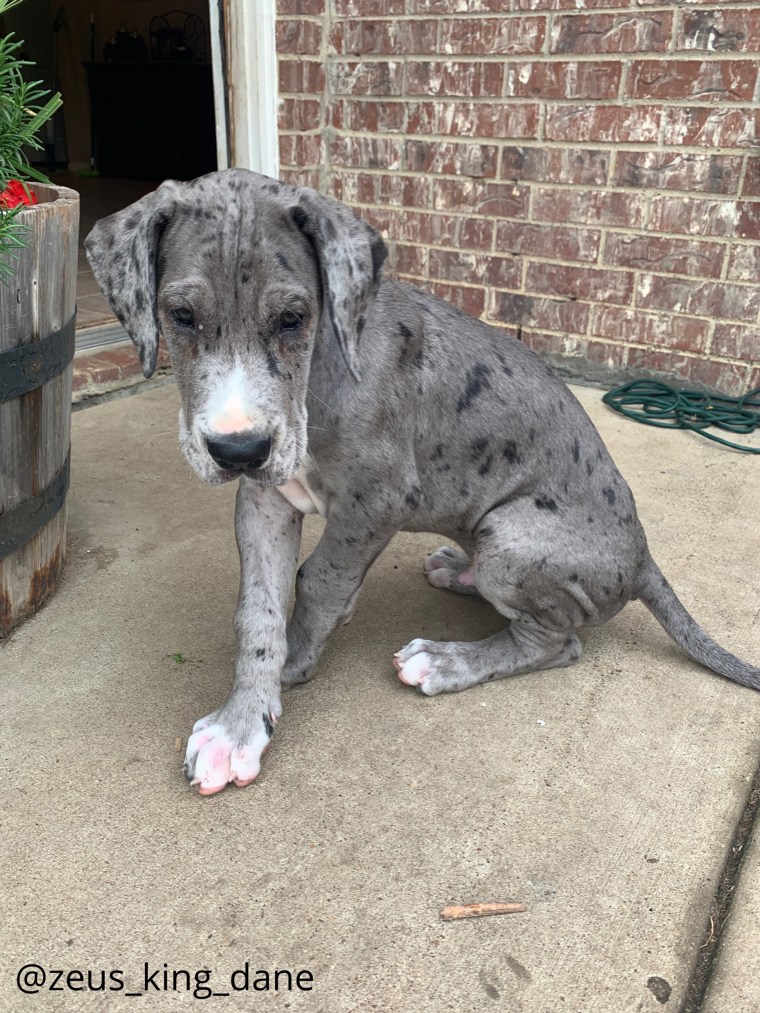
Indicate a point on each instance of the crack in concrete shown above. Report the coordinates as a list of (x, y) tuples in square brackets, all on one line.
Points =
[(720, 906)]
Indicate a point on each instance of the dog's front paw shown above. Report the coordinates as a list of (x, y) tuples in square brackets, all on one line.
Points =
[(415, 664), (222, 751)]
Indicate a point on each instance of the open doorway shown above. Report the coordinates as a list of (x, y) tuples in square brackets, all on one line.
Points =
[(138, 108)]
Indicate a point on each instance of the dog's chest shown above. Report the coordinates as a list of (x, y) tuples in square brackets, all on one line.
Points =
[(302, 496)]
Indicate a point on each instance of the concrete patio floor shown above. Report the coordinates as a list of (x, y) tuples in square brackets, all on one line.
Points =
[(604, 796)]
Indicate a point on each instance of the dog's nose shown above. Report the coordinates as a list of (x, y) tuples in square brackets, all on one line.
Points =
[(237, 451)]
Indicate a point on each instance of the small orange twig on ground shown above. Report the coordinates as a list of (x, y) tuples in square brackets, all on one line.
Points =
[(454, 912)]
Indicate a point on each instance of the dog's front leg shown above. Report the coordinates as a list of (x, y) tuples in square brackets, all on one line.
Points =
[(327, 587), (228, 744)]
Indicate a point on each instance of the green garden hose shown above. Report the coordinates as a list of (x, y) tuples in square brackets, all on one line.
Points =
[(657, 404)]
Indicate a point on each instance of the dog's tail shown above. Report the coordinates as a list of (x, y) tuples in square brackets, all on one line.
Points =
[(661, 600)]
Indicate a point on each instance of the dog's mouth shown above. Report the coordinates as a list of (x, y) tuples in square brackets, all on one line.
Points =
[(286, 454), (269, 475)]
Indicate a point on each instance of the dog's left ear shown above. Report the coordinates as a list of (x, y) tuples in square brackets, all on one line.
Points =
[(122, 250), (350, 254)]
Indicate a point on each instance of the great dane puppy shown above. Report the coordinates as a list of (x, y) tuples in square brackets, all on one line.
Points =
[(321, 386)]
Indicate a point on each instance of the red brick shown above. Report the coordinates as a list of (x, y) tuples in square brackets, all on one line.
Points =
[(285, 7), (536, 311), (736, 342), (464, 119), (301, 76), (442, 230), (112, 366), (748, 220), (488, 36), (551, 5), (607, 123), (409, 260), (736, 31), (303, 37), (555, 241), (700, 298), (589, 207), (300, 176), (478, 160), (300, 149), (711, 128), (554, 165), (473, 119), (447, 6), (564, 79), (395, 190), (656, 253), (472, 268), (379, 218), (368, 8), (751, 185), (635, 325), (563, 350), (573, 282), (469, 300), (704, 80), (375, 116), (689, 370), (500, 200), (744, 263), (672, 170), (393, 38), (366, 78), (611, 33), (705, 217), (358, 151), (299, 114), (473, 80)]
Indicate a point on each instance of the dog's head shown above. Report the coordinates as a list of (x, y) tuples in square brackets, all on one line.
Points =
[(242, 275)]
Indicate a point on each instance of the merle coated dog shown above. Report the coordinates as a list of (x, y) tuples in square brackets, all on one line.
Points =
[(321, 386)]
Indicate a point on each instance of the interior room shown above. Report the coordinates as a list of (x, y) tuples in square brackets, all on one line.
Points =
[(135, 78)]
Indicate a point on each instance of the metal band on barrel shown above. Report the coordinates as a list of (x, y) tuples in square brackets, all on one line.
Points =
[(20, 525), (29, 366)]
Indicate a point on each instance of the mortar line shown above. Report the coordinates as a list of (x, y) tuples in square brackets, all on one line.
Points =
[(720, 905)]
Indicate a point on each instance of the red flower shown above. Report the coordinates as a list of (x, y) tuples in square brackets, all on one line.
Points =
[(15, 193)]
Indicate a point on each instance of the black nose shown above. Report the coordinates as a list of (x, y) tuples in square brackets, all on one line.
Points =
[(238, 451)]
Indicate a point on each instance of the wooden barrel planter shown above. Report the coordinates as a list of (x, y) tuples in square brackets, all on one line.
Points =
[(37, 324)]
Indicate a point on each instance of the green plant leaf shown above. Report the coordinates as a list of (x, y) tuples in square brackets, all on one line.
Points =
[(25, 107)]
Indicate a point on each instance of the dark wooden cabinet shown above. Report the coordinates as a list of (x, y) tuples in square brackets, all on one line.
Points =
[(152, 120)]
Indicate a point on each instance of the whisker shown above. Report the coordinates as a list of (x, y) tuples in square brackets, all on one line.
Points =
[(327, 406)]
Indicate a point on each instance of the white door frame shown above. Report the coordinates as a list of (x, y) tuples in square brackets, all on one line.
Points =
[(244, 65)]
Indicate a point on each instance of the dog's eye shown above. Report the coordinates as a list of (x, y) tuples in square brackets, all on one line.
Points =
[(183, 316), (290, 321)]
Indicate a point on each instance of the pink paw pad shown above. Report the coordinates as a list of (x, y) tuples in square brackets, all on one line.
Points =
[(467, 577), (439, 576), (216, 761), (413, 671)]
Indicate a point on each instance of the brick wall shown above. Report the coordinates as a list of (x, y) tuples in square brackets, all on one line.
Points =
[(588, 169)]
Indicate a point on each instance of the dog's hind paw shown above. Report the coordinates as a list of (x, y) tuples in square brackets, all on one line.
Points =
[(216, 757), (451, 569)]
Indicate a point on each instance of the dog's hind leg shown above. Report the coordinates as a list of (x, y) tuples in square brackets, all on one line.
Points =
[(534, 567), (524, 646)]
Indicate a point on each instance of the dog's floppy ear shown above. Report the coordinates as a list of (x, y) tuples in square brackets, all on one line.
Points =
[(122, 250), (350, 254)]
